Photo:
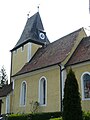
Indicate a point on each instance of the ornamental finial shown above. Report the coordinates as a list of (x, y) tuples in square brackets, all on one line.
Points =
[(38, 7), (28, 15)]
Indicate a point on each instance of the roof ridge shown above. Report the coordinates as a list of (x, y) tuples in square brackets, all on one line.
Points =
[(68, 34), (77, 53)]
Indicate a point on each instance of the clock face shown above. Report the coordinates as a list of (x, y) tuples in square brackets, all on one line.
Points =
[(42, 36)]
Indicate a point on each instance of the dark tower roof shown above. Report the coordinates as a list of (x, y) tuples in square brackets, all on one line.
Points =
[(31, 32)]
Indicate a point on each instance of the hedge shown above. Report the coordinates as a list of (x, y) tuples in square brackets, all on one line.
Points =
[(18, 117), (37, 116), (43, 116)]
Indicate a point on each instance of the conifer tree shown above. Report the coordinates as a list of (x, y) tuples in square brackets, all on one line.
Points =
[(72, 102), (4, 78)]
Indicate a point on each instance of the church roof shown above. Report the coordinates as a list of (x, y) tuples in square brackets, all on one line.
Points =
[(5, 90), (82, 53), (31, 32), (53, 54)]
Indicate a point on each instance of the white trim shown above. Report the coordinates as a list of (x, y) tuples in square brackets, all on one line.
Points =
[(8, 104), (82, 87), (22, 48), (81, 64), (29, 51), (45, 91), (21, 94)]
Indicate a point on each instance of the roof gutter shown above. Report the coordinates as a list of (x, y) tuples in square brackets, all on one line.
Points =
[(77, 63)]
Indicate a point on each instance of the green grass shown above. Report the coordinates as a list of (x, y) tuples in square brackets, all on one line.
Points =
[(56, 119)]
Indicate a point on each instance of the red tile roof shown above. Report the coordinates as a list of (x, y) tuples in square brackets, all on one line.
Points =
[(53, 54), (82, 52)]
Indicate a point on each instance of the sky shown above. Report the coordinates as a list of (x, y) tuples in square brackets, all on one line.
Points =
[(59, 17)]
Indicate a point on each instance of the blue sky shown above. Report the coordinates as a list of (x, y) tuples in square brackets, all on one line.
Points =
[(60, 17)]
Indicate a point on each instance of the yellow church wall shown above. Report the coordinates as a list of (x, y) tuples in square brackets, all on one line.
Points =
[(34, 48), (32, 80), (79, 70), (20, 57), (3, 107)]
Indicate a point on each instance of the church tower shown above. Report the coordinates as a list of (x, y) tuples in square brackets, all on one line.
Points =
[(32, 37)]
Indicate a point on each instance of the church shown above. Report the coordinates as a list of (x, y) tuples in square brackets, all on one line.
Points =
[(39, 69)]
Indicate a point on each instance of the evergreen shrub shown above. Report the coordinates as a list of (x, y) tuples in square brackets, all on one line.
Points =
[(72, 102)]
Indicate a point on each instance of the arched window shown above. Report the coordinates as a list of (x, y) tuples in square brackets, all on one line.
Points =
[(42, 91), (86, 85), (23, 94)]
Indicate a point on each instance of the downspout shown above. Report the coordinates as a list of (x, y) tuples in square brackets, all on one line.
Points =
[(61, 87), (11, 66)]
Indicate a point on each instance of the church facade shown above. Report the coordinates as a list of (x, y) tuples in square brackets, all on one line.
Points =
[(39, 69)]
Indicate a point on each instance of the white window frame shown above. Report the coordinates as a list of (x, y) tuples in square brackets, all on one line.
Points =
[(23, 105), (82, 86), (39, 99)]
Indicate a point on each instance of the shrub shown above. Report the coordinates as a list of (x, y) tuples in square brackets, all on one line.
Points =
[(18, 117), (71, 102), (36, 116), (86, 115), (45, 116)]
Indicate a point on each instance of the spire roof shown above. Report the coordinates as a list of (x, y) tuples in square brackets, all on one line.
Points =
[(31, 32)]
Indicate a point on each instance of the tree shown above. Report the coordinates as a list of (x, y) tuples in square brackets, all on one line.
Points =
[(4, 78), (72, 102)]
